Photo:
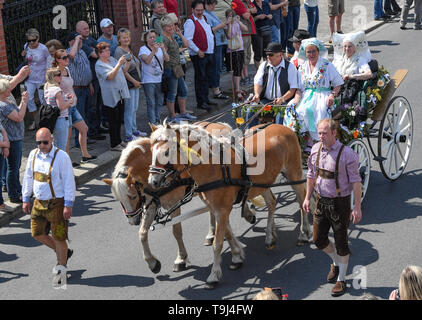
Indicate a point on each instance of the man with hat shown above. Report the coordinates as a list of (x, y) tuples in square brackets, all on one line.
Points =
[(298, 36), (276, 79), (107, 28)]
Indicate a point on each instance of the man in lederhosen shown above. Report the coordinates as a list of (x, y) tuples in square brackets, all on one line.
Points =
[(334, 174), (49, 176)]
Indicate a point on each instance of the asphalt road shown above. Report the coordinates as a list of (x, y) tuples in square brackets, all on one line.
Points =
[(108, 263)]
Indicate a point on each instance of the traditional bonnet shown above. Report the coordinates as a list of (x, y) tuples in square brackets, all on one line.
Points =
[(359, 41), (323, 52)]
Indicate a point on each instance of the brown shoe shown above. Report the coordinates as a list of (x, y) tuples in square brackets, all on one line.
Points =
[(339, 289), (333, 274)]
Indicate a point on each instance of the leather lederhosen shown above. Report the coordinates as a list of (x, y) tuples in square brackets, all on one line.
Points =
[(331, 212), (49, 211)]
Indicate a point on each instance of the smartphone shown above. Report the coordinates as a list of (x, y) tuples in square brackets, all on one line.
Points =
[(159, 39), (22, 88)]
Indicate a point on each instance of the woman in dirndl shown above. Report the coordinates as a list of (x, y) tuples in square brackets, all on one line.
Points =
[(320, 83)]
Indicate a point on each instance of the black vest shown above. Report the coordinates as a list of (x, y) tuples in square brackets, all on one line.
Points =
[(283, 79)]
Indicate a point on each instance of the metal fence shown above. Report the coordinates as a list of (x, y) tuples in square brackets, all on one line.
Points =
[(21, 15)]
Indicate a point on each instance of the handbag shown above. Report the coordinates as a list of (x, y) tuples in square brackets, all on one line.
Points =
[(135, 75), (235, 43), (178, 71), (47, 117)]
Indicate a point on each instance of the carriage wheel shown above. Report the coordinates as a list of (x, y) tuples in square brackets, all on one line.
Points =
[(364, 163), (395, 138)]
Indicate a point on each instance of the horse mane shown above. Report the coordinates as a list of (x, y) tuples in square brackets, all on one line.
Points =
[(133, 145), (197, 133)]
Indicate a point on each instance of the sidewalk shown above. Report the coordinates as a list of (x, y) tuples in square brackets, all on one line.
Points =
[(107, 159)]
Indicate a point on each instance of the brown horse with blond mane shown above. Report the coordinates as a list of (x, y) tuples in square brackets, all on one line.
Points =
[(128, 183), (279, 147)]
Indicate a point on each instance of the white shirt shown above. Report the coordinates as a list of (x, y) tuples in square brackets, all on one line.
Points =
[(152, 72), (311, 3), (292, 78), (62, 177), (189, 27)]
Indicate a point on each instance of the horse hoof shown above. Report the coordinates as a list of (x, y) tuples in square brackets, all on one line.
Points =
[(179, 267), (157, 267), (211, 285), (251, 220), (235, 266), (208, 242)]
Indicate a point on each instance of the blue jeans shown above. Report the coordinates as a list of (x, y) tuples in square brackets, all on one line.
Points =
[(155, 100), (61, 132), (313, 19), (378, 12), (293, 24), (218, 63), (2, 165), (275, 34), (31, 88), (175, 86), (13, 161), (83, 95), (131, 106)]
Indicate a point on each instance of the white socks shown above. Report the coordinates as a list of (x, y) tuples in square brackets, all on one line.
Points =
[(334, 257), (342, 272)]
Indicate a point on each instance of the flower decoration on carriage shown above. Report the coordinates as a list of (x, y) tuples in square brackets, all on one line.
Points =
[(347, 135), (267, 108), (376, 90), (349, 114), (240, 121)]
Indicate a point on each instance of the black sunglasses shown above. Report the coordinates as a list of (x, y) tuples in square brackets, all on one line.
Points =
[(45, 142), (32, 40), (63, 58)]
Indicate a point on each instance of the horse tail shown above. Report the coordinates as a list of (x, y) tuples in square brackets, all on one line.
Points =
[(258, 201)]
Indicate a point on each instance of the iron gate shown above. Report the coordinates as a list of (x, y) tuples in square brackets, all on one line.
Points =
[(21, 15)]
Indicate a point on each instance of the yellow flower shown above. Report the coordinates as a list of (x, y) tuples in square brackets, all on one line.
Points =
[(240, 120), (377, 94)]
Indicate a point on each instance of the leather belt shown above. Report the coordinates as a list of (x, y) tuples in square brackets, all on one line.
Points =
[(79, 87)]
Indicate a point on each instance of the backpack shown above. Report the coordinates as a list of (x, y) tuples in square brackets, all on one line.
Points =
[(47, 117)]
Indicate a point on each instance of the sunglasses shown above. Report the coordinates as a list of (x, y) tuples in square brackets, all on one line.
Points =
[(63, 58), (270, 54), (32, 40), (44, 142)]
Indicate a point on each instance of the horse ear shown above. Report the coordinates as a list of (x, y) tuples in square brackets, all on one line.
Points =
[(108, 181), (152, 126)]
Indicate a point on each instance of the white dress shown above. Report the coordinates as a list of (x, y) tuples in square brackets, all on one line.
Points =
[(316, 87)]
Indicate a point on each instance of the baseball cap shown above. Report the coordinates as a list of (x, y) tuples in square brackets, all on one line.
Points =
[(71, 36), (105, 23)]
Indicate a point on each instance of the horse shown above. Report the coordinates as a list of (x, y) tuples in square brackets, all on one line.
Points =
[(128, 183), (276, 143)]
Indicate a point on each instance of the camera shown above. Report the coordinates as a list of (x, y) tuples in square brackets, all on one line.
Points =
[(128, 56), (22, 88)]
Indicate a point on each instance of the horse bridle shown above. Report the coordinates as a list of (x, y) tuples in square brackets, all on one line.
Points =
[(138, 186)]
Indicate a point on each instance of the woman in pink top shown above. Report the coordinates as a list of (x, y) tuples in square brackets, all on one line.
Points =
[(234, 31), (54, 96), (61, 60)]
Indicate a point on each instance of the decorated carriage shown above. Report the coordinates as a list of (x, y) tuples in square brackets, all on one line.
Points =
[(374, 114)]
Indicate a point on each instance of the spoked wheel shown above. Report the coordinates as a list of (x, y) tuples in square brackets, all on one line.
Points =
[(395, 138), (364, 163)]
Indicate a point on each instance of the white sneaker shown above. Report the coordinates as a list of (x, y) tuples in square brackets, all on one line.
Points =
[(60, 277)]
